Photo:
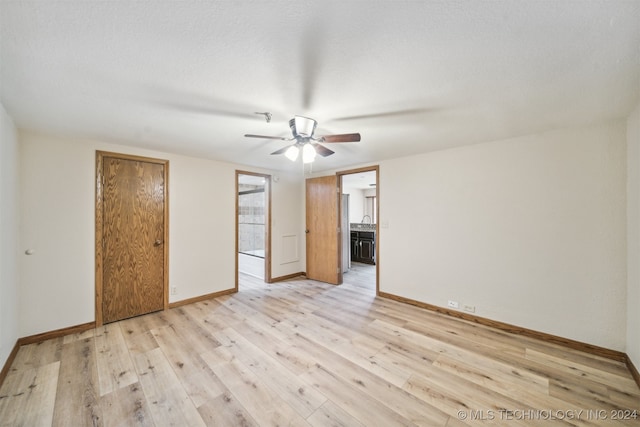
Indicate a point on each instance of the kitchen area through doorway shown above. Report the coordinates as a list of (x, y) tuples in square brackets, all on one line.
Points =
[(359, 210)]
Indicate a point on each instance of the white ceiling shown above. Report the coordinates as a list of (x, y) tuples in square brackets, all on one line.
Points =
[(187, 76), (360, 180)]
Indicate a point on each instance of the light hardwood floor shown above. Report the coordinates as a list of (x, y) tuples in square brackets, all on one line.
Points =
[(305, 353)]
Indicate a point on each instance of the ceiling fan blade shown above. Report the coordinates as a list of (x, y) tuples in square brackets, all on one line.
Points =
[(345, 137), (207, 110), (322, 150), (282, 150), (195, 103), (410, 111), (313, 50), (249, 135)]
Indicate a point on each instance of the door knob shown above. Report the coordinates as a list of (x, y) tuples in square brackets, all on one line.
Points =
[(157, 242), (306, 231)]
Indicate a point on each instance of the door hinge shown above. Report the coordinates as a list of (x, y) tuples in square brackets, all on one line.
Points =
[(338, 270)]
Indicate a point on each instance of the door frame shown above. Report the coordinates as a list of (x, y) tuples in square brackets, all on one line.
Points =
[(376, 169), (99, 218), (267, 228)]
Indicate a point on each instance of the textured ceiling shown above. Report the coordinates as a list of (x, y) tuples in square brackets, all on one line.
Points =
[(360, 180), (411, 77)]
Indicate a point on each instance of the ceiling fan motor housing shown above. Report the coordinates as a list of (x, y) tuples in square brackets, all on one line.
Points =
[(302, 126)]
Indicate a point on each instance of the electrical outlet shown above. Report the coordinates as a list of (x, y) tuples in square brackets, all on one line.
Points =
[(453, 304), (469, 308), (174, 290)]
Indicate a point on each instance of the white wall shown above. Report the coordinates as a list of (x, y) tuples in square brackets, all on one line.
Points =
[(57, 188), (9, 222), (369, 205), (633, 237), (287, 224), (529, 230), (356, 203), (532, 233)]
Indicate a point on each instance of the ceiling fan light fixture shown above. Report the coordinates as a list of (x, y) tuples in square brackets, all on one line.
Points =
[(292, 153), (308, 153), (302, 129), (302, 126)]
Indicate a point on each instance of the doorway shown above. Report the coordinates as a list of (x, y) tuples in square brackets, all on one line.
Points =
[(131, 236), (253, 208), (359, 213)]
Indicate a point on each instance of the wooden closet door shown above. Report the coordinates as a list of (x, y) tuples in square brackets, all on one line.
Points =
[(133, 238)]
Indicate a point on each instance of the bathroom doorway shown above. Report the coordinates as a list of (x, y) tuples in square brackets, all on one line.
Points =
[(253, 225)]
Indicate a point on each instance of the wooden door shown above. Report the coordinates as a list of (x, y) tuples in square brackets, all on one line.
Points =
[(133, 208), (322, 229)]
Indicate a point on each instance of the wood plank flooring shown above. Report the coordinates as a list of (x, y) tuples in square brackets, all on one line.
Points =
[(303, 353)]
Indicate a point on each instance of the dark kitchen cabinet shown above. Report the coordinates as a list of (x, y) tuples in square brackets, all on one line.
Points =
[(363, 246), (355, 250), (367, 247)]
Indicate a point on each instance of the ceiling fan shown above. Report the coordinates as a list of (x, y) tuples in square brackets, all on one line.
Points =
[(302, 129)]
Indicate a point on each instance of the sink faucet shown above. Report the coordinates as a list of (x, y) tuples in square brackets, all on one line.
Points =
[(366, 216)]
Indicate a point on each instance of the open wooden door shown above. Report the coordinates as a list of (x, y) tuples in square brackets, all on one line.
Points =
[(323, 242)]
